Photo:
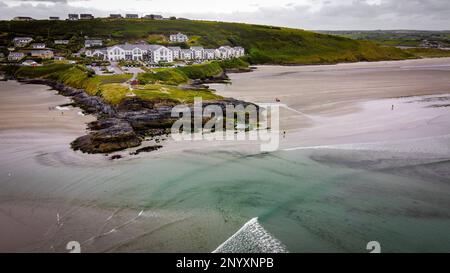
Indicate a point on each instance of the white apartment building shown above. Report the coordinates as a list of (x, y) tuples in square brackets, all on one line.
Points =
[(176, 52), (197, 52), (186, 54), (142, 52)]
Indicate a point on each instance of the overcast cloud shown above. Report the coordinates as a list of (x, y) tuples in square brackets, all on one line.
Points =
[(307, 14)]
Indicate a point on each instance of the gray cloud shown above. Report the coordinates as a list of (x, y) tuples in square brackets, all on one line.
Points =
[(343, 14)]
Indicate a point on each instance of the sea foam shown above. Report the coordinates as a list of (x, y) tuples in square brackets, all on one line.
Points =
[(251, 238)]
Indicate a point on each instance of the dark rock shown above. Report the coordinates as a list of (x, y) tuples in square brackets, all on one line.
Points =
[(147, 149), (119, 135), (114, 157)]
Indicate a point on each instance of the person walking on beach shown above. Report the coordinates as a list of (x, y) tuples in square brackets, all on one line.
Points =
[(392, 108)]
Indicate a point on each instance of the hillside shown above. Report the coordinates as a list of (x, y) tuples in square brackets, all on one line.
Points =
[(264, 44)]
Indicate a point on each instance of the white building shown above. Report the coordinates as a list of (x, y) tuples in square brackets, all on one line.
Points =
[(93, 42), (38, 45), (96, 53), (176, 52), (22, 41), (61, 42), (197, 52), (226, 52), (142, 52), (238, 51), (211, 54), (178, 38), (186, 54), (16, 56)]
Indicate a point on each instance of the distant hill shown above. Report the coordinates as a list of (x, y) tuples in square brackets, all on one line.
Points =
[(264, 44)]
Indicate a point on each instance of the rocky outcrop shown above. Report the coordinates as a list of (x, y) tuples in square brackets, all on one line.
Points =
[(127, 124), (111, 135)]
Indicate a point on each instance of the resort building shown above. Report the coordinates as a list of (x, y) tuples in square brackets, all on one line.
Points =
[(93, 42), (197, 52), (176, 52), (22, 41), (211, 54), (186, 54), (16, 56), (239, 51), (38, 45), (43, 54), (139, 52), (73, 17), (178, 38)]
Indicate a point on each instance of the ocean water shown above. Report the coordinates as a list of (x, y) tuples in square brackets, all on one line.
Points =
[(311, 200)]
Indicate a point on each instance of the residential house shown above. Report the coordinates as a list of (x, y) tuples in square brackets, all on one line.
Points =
[(29, 63), (58, 58), (22, 18), (186, 54), (176, 52), (55, 18), (178, 38), (73, 17), (38, 45), (86, 16), (16, 56), (115, 16), (93, 42), (153, 17), (22, 41), (131, 16), (43, 54), (61, 42), (197, 52)]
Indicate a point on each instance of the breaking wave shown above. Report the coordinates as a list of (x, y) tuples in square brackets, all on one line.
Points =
[(251, 238)]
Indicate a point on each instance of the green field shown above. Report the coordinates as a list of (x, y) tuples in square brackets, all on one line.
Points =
[(264, 44)]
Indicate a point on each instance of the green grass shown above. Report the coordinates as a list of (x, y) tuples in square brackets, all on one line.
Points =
[(264, 44), (158, 92), (201, 71), (428, 52), (163, 75)]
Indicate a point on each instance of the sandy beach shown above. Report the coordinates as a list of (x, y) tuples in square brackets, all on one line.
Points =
[(156, 201)]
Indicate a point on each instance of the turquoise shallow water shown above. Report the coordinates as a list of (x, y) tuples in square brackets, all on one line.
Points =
[(317, 200)]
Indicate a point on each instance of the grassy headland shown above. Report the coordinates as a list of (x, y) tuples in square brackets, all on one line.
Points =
[(154, 85), (263, 44)]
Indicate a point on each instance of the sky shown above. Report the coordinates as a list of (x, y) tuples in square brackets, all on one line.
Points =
[(304, 14)]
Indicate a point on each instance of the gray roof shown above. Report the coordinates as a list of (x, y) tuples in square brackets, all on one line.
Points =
[(174, 48), (134, 46), (196, 47)]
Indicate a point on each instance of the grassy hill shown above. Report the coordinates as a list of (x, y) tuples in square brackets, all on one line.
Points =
[(264, 44)]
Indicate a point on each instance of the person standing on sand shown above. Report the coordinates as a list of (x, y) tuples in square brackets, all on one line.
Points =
[(392, 109)]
